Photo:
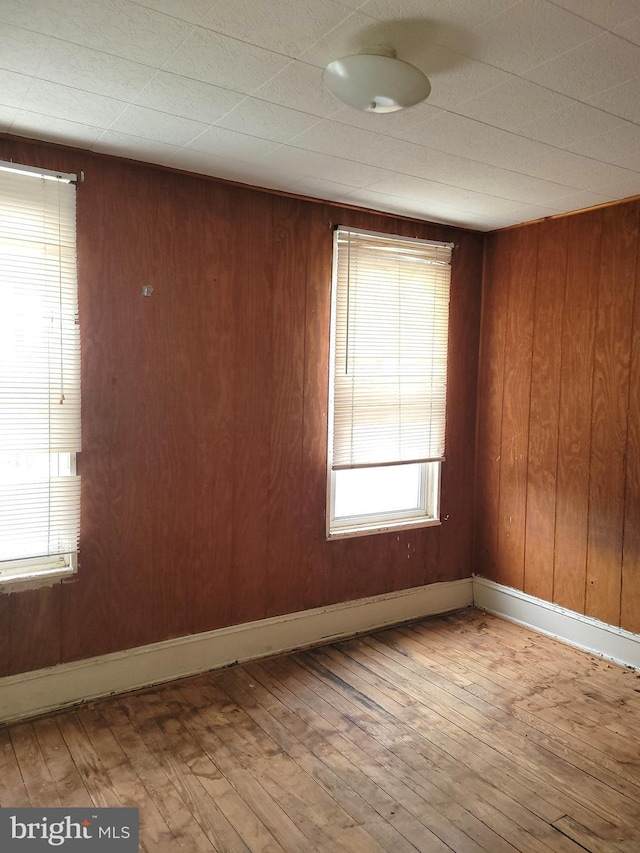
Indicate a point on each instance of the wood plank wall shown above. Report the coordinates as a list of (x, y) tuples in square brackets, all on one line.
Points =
[(558, 461), (204, 416)]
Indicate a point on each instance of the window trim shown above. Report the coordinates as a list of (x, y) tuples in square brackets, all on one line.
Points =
[(31, 572), (428, 515)]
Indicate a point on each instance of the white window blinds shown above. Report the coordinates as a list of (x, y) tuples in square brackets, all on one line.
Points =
[(389, 365), (39, 367)]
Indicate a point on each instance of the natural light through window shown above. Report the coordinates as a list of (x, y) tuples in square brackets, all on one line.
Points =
[(39, 374), (389, 339)]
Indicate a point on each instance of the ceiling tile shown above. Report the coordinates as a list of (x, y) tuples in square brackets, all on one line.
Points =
[(348, 172), (226, 62), (266, 120), (388, 124), (622, 101), (319, 188), (455, 79), (13, 88), (45, 16), (612, 146), (631, 161), (414, 160), (599, 174), (630, 29), (228, 143), (555, 164), (192, 99), (603, 62), (71, 104), (297, 160), (489, 223), (187, 10), (565, 127), (512, 103), (351, 4), (7, 115), (516, 186), (450, 21), (468, 138), (53, 129), (433, 211), (324, 166), (328, 137), (287, 27), (623, 189), (522, 212), (605, 13), (579, 200), (21, 50), (300, 87), (114, 26), (202, 163), (452, 197), (355, 33), (159, 127), (134, 147), (93, 70), (231, 169), (529, 33)]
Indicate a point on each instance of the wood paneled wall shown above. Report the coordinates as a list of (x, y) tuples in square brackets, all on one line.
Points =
[(204, 416), (558, 448)]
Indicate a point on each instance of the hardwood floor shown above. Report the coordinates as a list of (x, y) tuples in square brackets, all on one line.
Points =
[(461, 733)]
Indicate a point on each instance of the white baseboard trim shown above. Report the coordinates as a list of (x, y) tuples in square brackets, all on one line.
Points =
[(585, 632), (32, 693)]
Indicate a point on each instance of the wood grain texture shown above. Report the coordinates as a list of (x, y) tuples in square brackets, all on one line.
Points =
[(285, 554), (516, 406), (609, 411), (490, 401), (457, 500), (569, 391), (574, 425), (205, 416), (544, 409), (630, 586)]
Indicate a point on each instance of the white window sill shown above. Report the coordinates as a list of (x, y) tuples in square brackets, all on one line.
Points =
[(410, 524), (33, 579)]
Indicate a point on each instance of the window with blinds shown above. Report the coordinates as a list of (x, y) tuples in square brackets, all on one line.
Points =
[(388, 381), (39, 374)]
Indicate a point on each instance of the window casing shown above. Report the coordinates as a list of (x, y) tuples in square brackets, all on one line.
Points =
[(388, 369), (39, 375)]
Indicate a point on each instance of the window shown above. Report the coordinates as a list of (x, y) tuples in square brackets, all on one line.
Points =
[(39, 375), (388, 382)]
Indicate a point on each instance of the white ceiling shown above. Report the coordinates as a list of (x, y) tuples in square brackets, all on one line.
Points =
[(534, 110)]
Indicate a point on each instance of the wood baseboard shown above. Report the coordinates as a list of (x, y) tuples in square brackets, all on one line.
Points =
[(32, 693), (585, 632)]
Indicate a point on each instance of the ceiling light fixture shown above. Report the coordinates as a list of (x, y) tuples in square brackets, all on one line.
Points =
[(376, 81)]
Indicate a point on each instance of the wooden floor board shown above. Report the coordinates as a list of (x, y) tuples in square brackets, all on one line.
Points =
[(457, 734), (613, 752), (511, 812)]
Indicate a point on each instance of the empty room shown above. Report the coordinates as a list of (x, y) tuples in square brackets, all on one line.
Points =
[(320, 426)]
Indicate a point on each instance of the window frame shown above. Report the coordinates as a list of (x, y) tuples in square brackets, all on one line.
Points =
[(427, 514), (36, 570)]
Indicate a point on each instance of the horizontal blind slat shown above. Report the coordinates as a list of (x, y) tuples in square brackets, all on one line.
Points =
[(39, 366), (390, 349)]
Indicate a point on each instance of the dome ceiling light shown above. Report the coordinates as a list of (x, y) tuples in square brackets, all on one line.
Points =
[(376, 81)]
